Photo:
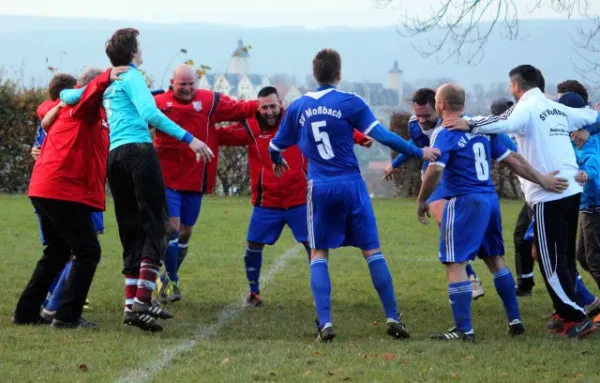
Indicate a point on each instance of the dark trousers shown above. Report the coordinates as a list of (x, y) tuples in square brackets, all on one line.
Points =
[(523, 259), (588, 247), (139, 195), (556, 235), (67, 228)]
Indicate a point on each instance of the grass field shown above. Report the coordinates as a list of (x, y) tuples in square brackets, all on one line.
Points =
[(214, 339)]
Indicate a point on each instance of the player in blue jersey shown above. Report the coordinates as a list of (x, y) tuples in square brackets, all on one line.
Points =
[(472, 224), (321, 123), (420, 127)]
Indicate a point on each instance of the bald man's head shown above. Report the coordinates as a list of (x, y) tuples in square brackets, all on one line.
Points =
[(184, 82), (449, 99)]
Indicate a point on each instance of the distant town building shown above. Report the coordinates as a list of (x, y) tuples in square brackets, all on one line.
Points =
[(238, 82)]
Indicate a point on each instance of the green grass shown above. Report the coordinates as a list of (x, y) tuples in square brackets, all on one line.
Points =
[(275, 342)]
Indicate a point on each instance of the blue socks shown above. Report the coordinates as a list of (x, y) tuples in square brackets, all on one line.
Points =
[(584, 297), (505, 286), (253, 261), (461, 295), (470, 270), (171, 257), (382, 281), (321, 288), (57, 292), (183, 250)]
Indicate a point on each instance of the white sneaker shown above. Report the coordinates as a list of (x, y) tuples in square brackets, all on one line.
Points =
[(477, 286)]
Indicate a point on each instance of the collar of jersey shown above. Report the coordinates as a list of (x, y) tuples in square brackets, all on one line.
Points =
[(323, 87), (534, 92), (132, 66)]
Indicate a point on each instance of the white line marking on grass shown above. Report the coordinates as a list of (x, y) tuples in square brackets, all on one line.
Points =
[(166, 357)]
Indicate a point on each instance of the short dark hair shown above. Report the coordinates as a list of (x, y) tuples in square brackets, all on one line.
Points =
[(526, 76), (424, 96), (327, 66), (575, 87), (60, 82), (500, 106), (122, 46), (541, 81), (267, 91)]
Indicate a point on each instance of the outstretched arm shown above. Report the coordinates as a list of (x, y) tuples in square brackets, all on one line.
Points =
[(228, 109), (137, 90), (523, 169), (233, 135)]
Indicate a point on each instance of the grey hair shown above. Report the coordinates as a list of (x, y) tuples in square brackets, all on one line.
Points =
[(88, 75)]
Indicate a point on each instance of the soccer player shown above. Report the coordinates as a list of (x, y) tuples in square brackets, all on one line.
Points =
[(339, 208), (67, 184), (523, 242), (97, 216), (277, 201), (136, 180), (541, 127), (420, 127), (472, 224), (186, 179)]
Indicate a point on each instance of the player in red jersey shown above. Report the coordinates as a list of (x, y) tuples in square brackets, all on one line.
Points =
[(277, 201), (186, 179), (66, 186)]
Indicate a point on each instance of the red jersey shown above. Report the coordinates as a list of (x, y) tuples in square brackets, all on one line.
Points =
[(268, 190), (180, 169), (72, 163), (45, 107)]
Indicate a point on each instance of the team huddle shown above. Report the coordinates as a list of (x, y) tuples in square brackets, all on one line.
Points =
[(304, 174)]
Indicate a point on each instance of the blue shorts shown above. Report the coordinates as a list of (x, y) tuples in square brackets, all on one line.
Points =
[(97, 219), (266, 224), (471, 226), (340, 214), (184, 205)]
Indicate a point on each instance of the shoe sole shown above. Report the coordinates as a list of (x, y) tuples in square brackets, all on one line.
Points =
[(586, 332), (174, 299), (142, 327), (328, 338), (475, 297), (398, 334)]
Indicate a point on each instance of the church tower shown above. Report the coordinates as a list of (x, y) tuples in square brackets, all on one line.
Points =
[(240, 58), (395, 81)]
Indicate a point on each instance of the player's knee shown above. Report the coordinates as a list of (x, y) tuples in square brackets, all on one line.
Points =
[(185, 234), (174, 225), (369, 253), (254, 245), (494, 263), (91, 252)]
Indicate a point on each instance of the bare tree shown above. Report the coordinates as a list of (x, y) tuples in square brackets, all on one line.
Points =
[(464, 34)]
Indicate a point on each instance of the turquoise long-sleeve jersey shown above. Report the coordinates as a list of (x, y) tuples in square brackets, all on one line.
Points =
[(130, 108)]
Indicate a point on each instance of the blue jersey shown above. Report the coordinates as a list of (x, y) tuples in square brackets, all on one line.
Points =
[(321, 123), (40, 135), (467, 159)]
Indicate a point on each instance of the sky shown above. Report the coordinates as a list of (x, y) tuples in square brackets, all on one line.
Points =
[(310, 14)]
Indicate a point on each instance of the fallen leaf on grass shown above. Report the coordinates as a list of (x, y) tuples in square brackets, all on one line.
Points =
[(330, 373), (375, 323), (178, 316), (83, 367), (318, 353), (406, 363), (579, 375), (388, 356), (307, 373), (363, 355), (225, 361), (470, 357), (455, 375)]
